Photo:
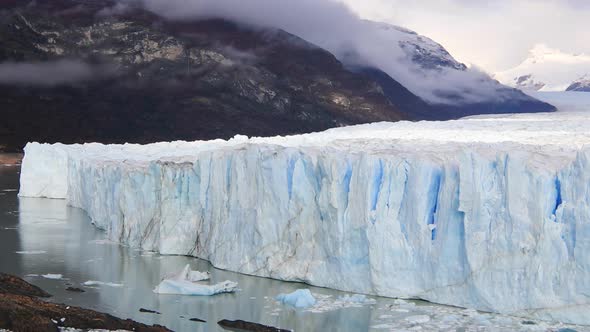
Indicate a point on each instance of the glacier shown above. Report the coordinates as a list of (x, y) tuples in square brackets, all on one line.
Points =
[(490, 213)]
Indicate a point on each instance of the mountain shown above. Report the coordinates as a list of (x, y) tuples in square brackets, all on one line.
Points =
[(582, 84), (73, 71), (451, 89), (548, 69), (155, 80), (421, 50)]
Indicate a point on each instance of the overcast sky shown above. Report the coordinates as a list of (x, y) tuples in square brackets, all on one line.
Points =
[(494, 35)]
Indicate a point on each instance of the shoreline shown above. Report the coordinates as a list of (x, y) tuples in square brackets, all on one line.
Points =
[(22, 309), (11, 159)]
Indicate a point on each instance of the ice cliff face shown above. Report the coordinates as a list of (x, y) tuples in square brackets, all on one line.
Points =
[(486, 213)]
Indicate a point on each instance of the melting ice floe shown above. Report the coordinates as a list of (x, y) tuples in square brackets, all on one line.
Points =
[(300, 298), (489, 213), (185, 283), (31, 252), (317, 303), (101, 283)]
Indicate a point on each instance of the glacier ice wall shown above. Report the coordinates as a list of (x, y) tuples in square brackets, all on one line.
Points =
[(496, 226)]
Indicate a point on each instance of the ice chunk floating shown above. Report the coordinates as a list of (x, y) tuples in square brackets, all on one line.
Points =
[(488, 213), (301, 298), (184, 283)]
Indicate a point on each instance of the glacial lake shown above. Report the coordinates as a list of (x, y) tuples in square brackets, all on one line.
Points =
[(44, 236)]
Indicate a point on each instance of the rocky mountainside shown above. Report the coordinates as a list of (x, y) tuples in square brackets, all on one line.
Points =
[(151, 80), (76, 71), (548, 69)]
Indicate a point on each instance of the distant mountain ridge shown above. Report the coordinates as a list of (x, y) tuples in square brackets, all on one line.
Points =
[(582, 84), (548, 69), (429, 61)]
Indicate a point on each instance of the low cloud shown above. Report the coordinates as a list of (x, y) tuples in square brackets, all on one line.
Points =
[(51, 73)]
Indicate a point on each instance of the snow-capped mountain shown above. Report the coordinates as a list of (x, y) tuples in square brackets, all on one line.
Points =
[(549, 69), (449, 88), (423, 66), (421, 50), (582, 84)]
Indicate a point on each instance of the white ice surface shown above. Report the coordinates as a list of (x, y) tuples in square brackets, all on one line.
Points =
[(301, 298), (54, 276), (491, 213)]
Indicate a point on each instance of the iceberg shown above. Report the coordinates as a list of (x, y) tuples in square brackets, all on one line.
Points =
[(184, 283), (101, 283), (490, 213), (176, 287), (301, 298)]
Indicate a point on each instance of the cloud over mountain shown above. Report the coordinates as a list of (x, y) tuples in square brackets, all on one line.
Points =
[(51, 73), (336, 28)]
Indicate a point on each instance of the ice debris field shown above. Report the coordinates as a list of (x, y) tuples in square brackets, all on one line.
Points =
[(490, 213)]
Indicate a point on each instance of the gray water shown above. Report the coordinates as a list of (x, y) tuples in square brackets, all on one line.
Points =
[(57, 239)]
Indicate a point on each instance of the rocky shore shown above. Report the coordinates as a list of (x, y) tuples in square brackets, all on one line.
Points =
[(23, 310)]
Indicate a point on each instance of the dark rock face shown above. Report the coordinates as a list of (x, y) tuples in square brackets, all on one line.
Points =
[(153, 80), (75, 290), (21, 310), (13, 285)]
